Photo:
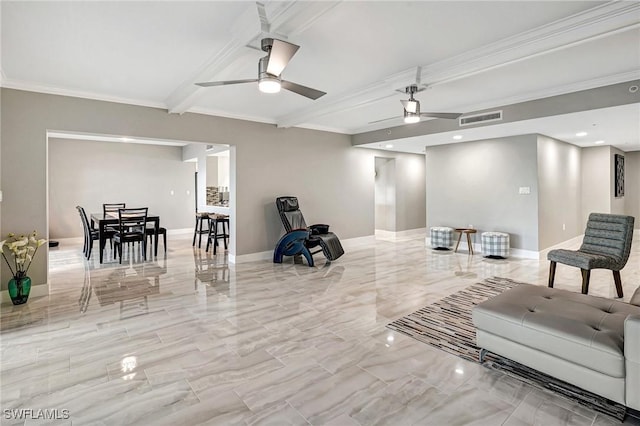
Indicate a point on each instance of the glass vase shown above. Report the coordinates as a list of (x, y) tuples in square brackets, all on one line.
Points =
[(19, 288)]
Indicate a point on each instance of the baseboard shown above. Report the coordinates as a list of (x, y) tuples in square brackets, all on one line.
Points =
[(36, 291), (572, 244), (391, 235), (180, 231)]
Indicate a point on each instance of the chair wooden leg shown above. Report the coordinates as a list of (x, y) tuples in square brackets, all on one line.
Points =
[(552, 273), (164, 240), (586, 274), (618, 281)]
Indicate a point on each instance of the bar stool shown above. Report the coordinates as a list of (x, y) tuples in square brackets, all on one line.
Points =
[(214, 221), (202, 217)]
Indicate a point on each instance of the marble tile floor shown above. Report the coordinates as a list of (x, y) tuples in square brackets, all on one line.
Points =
[(190, 339)]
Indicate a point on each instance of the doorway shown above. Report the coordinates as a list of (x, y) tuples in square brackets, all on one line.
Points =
[(385, 194)]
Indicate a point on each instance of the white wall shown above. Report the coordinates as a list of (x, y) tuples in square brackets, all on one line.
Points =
[(89, 173), (212, 170), (477, 183), (559, 192)]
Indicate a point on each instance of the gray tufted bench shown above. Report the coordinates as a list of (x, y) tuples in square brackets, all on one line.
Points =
[(590, 342)]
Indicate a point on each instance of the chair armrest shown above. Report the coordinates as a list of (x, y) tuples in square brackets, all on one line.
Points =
[(319, 229), (632, 360)]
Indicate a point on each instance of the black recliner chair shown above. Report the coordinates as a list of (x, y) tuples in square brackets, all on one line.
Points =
[(300, 238)]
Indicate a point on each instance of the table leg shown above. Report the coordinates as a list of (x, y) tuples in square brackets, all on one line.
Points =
[(155, 244), (469, 243), (458, 243), (102, 240)]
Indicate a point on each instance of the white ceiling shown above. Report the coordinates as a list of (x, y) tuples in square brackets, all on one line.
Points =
[(473, 55)]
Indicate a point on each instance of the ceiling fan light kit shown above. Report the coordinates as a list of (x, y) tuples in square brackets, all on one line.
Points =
[(411, 117)]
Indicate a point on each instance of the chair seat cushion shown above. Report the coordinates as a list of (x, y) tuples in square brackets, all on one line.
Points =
[(581, 259), (581, 329)]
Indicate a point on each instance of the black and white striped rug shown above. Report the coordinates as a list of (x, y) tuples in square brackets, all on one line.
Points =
[(447, 325)]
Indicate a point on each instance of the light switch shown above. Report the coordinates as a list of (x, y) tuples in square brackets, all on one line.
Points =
[(524, 190)]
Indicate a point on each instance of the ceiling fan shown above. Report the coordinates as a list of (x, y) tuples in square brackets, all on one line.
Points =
[(279, 53), (412, 112)]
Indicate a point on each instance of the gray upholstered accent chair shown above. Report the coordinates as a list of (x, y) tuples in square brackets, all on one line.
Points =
[(606, 245)]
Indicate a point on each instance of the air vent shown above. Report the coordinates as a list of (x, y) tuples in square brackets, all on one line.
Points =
[(481, 118), (209, 147)]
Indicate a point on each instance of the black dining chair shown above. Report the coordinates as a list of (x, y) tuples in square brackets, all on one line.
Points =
[(132, 223), (90, 235), (112, 208), (151, 233)]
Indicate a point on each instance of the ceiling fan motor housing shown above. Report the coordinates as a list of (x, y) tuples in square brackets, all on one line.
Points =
[(266, 44)]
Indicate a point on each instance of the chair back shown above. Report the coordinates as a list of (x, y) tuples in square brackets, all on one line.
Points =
[(132, 222), (112, 208), (85, 221), (290, 213), (609, 235)]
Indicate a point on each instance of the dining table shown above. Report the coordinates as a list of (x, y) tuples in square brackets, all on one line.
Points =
[(103, 220)]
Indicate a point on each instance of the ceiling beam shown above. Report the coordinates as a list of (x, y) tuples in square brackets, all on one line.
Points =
[(285, 18), (597, 22)]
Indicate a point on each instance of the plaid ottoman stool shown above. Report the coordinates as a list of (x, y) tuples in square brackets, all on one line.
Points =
[(441, 237), (495, 244)]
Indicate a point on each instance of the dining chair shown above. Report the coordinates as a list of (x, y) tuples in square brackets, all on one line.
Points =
[(132, 223), (90, 235), (151, 233), (112, 208)]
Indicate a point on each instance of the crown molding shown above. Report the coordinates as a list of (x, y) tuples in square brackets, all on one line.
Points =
[(41, 88), (598, 22)]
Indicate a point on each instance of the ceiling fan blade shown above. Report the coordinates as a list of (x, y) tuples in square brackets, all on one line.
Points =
[(449, 115), (226, 83), (280, 55), (384, 119), (302, 90)]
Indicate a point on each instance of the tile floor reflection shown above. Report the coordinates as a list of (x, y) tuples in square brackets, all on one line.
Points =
[(190, 339)]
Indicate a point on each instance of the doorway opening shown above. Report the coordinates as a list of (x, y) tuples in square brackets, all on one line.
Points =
[(385, 195)]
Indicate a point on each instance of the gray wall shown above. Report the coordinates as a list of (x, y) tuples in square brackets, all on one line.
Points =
[(559, 192), (212, 170), (596, 188), (334, 181), (477, 183), (632, 185), (410, 192), (89, 173)]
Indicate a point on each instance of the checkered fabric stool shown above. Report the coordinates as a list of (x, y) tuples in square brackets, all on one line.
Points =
[(495, 244), (441, 237)]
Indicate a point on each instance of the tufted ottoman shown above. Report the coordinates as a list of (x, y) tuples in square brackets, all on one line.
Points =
[(495, 244), (441, 237), (590, 342)]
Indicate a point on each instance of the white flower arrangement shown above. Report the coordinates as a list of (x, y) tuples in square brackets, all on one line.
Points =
[(22, 248)]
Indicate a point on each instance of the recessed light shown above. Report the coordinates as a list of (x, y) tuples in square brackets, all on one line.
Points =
[(599, 142), (581, 134), (125, 139), (457, 137), (389, 145)]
